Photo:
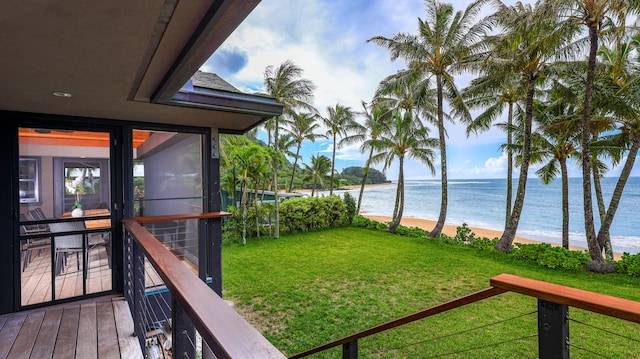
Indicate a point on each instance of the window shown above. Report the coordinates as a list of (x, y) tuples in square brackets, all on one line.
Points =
[(29, 180)]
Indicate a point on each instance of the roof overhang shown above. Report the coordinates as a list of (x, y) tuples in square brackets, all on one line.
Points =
[(122, 60)]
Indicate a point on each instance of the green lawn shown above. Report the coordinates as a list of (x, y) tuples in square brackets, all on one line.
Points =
[(303, 290)]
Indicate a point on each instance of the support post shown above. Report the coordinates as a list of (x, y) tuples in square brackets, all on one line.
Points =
[(183, 332), (553, 330), (350, 350), (135, 275)]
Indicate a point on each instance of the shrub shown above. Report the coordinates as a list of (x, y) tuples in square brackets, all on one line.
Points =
[(464, 233), (629, 264), (551, 257), (304, 214), (350, 207)]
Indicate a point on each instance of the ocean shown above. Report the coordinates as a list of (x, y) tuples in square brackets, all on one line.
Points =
[(481, 203)]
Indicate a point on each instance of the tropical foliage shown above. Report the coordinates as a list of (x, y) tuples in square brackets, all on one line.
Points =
[(564, 73)]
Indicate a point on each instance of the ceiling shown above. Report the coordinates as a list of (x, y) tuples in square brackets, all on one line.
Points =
[(123, 60)]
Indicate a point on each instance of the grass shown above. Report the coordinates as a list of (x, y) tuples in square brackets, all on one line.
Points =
[(303, 290)]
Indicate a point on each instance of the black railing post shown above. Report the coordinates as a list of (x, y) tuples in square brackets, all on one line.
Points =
[(350, 350), (202, 249), (553, 330), (182, 331), (137, 278)]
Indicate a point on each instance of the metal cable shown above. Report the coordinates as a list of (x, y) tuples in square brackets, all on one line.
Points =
[(587, 350), (605, 330), (484, 346), (460, 332)]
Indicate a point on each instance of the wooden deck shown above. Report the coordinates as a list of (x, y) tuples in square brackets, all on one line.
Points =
[(36, 277), (101, 328)]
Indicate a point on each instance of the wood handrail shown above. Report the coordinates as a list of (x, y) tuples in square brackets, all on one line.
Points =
[(226, 332), (452, 304), (180, 217), (595, 302), (599, 303)]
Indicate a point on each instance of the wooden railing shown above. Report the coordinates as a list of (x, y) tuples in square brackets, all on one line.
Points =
[(225, 332), (553, 326)]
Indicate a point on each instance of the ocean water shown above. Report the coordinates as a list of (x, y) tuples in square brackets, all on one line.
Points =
[(481, 203)]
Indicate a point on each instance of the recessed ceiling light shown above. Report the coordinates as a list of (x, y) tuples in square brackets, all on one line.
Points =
[(61, 94)]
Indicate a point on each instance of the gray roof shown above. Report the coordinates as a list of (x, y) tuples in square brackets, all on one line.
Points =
[(211, 81)]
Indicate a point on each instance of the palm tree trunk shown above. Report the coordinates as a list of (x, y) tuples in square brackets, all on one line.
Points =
[(565, 202), (443, 164), (504, 244), (617, 192), (276, 232), (293, 170), (313, 189), (509, 165), (255, 206), (594, 249), (364, 179), (333, 163), (399, 197), (602, 211)]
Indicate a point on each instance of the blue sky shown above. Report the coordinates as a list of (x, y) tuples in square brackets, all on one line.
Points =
[(326, 38)]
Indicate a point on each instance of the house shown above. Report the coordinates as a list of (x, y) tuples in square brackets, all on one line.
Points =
[(98, 109)]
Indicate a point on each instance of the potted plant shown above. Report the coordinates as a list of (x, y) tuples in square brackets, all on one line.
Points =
[(77, 210)]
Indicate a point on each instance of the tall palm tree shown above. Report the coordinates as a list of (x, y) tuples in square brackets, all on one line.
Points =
[(596, 15), (446, 42), (287, 86), (402, 138), (374, 120), (555, 142), (302, 129), (529, 43), (628, 132), (317, 171), (496, 89), (339, 124)]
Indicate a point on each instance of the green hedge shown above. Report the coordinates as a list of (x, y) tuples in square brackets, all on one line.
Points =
[(309, 213)]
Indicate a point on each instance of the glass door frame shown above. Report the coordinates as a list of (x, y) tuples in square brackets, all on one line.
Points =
[(115, 182)]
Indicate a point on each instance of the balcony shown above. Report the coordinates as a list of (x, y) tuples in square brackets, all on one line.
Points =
[(173, 308)]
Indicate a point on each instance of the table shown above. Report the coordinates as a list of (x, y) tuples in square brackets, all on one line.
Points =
[(93, 223)]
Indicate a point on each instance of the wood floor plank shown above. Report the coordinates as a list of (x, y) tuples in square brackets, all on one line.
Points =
[(87, 336), (128, 342), (107, 334), (46, 340), (65, 347), (9, 334), (27, 336), (2, 323)]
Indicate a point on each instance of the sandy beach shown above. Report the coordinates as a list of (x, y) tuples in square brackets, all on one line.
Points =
[(450, 230)]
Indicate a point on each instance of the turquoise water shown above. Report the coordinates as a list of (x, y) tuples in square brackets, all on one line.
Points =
[(481, 203)]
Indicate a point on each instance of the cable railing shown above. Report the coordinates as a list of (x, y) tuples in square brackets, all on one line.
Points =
[(552, 330), (187, 304)]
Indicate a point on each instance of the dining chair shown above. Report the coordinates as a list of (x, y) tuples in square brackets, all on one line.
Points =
[(70, 243)]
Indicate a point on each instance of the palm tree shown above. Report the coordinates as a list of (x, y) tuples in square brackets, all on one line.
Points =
[(624, 81), (529, 43), (402, 138), (287, 86), (498, 88), (445, 44), (302, 129), (317, 171), (554, 144), (339, 123), (593, 14), (250, 160), (370, 130)]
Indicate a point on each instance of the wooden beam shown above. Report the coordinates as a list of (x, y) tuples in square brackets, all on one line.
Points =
[(595, 302)]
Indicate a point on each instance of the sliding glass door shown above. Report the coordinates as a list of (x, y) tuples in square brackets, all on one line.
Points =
[(66, 220)]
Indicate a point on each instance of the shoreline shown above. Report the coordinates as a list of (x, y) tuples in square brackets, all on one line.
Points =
[(450, 230)]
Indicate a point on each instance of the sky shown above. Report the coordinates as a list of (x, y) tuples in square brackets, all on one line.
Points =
[(327, 39)]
